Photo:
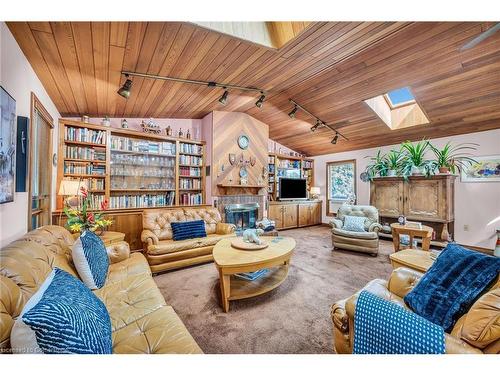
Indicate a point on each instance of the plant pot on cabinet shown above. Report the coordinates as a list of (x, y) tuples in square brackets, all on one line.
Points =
[(417, 171), (392, 173), (444, 170)]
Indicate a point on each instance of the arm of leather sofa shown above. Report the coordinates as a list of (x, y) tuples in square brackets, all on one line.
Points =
[(148, 237), (225, 228), (374, 227), (403, 280), (340, 320), (336, 223), (118, 252)]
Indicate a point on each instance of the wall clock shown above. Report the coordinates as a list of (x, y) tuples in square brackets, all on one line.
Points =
[(243, 142)]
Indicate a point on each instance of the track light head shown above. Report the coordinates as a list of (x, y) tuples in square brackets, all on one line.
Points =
[(316, 126), (124, 91), (223, 98), (260, 101), (335, 139), (293, 112)]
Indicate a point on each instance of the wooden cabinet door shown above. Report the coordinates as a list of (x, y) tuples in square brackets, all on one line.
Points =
[(387, 196), (290, 216), (131, 225), (276, 213), (424, 199), (304, 214), (316, 213)]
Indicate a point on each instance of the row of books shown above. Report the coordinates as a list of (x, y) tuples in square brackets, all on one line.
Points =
[(189, 199), (77, 168), (90, 183), (190, 148), (289, 163), (96, 200), (85, 135), (270, 159), (142, 200), (270, 168), (140, 145), (190, 160), (77, 152), (307, 163), (189, 183), (190, 171)]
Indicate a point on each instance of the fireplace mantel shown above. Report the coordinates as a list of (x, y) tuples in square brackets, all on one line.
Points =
[(229, 188)]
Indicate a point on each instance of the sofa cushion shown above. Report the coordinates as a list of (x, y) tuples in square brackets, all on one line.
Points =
[(170, 246), (160, 332), (211, 216), (135, 265), (362, 235), (158, 221), (447, 290), (354, 223), (188, 229), (62, 317), (91, 259)]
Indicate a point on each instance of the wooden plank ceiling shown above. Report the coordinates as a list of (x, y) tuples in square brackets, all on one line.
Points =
[(329, 68)]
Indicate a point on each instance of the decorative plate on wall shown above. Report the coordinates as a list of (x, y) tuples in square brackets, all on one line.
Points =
[(243, 142)]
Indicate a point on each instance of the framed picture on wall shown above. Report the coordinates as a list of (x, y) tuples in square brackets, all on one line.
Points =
[(7, 146), (487, 169), (341, 183)]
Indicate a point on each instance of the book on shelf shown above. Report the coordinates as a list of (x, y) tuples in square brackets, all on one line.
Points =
[(84, 135), (142, 200), (190, 199), (190, 160), (142, 146), (190, 171), (189, 183), (88, 153), (251, 276), (190, 148), (75, 167)]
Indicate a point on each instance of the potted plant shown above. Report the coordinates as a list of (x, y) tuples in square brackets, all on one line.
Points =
[(80, 219), (377, 166), (452, 158), (394, 158), (415, 163)]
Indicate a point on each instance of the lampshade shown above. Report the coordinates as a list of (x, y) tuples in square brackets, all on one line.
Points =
[(71, 187), (315, 190)]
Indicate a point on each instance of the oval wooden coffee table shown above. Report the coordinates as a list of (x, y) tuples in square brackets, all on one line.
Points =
[(230, 261)]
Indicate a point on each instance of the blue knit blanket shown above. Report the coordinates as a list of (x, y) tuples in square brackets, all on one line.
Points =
[(382, 327)]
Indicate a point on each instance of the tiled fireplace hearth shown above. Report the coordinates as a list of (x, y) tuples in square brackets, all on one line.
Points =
[(241, 210)]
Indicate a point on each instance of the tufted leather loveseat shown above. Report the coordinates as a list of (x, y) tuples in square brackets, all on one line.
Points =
[(141, 320), (476, 332), (163, 253), (365, 242)]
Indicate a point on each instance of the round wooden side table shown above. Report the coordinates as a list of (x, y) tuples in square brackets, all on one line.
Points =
[(424, 232)]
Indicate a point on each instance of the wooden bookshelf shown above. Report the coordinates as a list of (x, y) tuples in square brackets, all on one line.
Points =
[(278, 164), (139, 170)]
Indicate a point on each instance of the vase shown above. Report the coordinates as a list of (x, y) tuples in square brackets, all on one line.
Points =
[(444, 170), (392, 173), (497, 247), (417, 171)]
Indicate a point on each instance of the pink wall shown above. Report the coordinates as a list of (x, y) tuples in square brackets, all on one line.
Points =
[(476, 204), (19, 79)]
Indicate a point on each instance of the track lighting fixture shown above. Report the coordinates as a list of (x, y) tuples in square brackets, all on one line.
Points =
[(293, 112), (260, 102), (125, 89), (223, 98), (335, 139), (317, 125)]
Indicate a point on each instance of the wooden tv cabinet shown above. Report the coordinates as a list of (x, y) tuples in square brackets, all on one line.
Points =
[(295, 214)]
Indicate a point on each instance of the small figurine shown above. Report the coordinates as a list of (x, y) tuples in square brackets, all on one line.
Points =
[(252, 236), (168, 130), (106, 121), (188, 135), (124, 123), (180, 135), (266, 224)]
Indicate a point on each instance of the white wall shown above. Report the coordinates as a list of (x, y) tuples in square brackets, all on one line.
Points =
[(476, 204), (19, 79)]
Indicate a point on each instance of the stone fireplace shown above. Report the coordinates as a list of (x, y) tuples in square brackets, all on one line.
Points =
[(243, 216)]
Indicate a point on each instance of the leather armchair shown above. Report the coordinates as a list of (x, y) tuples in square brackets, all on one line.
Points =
[(365, 242), (476, 332)]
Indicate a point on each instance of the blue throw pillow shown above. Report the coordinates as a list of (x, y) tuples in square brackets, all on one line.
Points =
[(91, 259), (62, 317), (451, 285), (183, 230), (354, 223)]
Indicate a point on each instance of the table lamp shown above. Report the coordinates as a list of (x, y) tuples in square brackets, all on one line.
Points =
[(70, 189), (315, 192)]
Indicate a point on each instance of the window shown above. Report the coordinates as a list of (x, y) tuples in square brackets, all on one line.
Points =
[(40, 185), (400, 97), (340, 184)]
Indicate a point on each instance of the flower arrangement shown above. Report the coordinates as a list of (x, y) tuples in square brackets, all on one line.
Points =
[(81, 219)]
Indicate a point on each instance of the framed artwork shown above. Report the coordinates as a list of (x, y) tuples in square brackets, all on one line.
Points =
[(7, 146), (341, 182), (487, 169)]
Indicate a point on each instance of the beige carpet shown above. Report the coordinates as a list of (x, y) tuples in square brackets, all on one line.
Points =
[(294, 318)]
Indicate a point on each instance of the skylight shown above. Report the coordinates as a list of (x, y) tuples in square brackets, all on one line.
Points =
[(400, 97)]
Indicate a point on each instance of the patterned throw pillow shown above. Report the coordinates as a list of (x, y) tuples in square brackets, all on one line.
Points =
[(183, 230), (62, 317), (354, 223), (91, 260)]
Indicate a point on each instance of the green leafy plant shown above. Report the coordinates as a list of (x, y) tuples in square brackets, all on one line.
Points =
[(415, 157), (80, 219), (378, 165), (395, 159), (453, 158)]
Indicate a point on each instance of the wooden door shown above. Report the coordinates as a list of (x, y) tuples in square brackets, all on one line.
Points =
[(276, 213), (387, 196), (424, 199), (290, 216), (304, 214)]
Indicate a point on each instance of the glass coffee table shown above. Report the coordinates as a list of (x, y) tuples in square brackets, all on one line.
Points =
[(230, 261)]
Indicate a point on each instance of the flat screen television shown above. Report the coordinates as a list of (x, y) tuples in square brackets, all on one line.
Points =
[(292, 188)]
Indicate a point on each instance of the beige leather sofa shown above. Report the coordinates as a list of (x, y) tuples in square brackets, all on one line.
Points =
[(141, 320), (364, 242), (476, 332), (163, 253)]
